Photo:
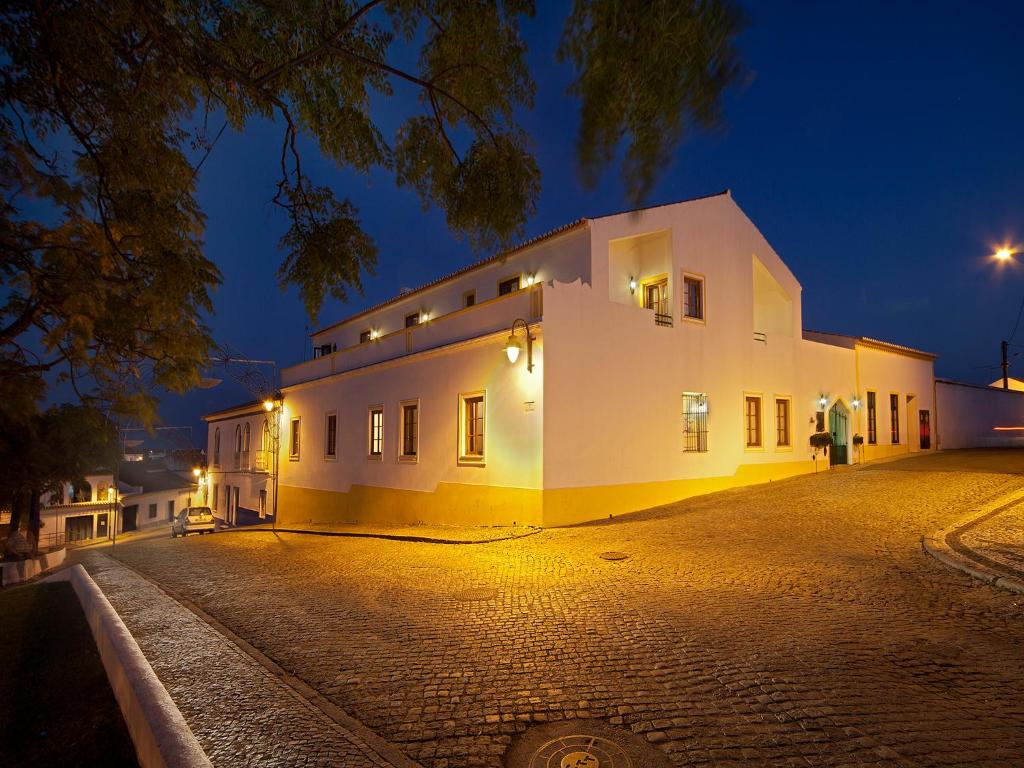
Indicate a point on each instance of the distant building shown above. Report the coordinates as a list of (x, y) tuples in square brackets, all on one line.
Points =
[(612, 364), (1015, 384)]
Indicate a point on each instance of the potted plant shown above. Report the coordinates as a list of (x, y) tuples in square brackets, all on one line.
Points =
[(858, 443), (820, 441)]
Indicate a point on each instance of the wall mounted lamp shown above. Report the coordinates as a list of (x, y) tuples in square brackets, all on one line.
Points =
[(514, 346), (855, 403), (632, 284), (822, 402), (530, 280)]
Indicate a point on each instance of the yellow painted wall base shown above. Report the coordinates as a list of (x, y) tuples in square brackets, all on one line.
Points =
[(450, 504), (566, 506), (461, 504)]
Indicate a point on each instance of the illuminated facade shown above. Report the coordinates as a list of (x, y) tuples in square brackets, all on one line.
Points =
[(668, 360)]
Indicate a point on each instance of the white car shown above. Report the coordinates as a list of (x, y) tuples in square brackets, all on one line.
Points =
[(193, 520)]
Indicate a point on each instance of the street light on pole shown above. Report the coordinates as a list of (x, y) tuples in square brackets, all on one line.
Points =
[(1004, 254)]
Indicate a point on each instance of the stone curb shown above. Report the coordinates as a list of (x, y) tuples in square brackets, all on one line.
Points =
[(938, 545), (161, 736), (386, 536)]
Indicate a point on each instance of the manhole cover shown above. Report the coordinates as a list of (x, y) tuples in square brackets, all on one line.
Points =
[(474, 594), (582, 744), (614, 555), (580, 751)]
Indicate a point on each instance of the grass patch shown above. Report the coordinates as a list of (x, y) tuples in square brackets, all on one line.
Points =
[(56, 705)]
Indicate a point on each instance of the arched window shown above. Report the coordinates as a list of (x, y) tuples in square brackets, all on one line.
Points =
[(238, 446), (216, 447), (245, 446)]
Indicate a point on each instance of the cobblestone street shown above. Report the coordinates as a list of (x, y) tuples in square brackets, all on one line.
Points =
[(793, 624)]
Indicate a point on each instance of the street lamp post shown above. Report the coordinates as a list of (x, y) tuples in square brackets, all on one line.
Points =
[(1004, 255)]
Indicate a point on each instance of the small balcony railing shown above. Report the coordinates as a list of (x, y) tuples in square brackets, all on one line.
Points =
[(663, 320), (264, 461)]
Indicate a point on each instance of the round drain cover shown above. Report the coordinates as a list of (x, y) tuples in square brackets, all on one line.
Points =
[(614, 555), (582, 744), (474, 594)]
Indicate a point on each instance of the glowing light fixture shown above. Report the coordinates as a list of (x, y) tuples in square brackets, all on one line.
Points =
[(632, 284), (196, 471), (1003, 254), (822, 401), (374, 334), (530, 280), (514, 346), (268, 405), (855, 403)]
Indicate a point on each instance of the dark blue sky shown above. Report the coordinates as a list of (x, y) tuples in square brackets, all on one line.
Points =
[(879, 150)]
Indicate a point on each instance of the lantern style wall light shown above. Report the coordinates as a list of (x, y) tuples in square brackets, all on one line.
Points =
[(514, 346), (855, 402), (822, 401), (632, 284), (530, 280)]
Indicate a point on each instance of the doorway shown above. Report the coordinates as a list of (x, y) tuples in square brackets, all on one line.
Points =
[(925, 429), (130, 518), (839, 428), (77, 528)]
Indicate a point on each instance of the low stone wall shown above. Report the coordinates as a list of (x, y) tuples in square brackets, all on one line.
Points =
[(161, 736), (23, 570)]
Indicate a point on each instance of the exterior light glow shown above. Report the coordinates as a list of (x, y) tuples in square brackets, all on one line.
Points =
[(632, 284), (196, 471), (530, 280), (374, 334), (855, 403), (1003, 254), (268, 405), (514, 346), (822, 401)]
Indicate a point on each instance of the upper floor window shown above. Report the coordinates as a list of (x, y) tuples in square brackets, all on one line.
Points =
[(693, 297), (753, 421), (509, 285), (872, 419), (469, 298), (246, 440), (782, 421), (695, 422), (365, 337), (471, 427), (375, 436), (216, 447), (293, 440), (409, 438), (413, 319), (331, 436), (655, 295), (894, 418)]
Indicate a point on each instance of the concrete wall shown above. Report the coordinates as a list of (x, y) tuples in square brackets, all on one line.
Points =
[(971, 416)]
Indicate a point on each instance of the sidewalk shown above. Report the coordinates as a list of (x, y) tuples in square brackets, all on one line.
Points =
[(241, 713), (988, 544), (428, 534)]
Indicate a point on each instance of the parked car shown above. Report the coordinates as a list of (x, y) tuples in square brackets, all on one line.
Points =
[(193, 520)]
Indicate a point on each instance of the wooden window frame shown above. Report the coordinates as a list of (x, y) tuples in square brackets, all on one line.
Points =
[(788, 400), (330, 451), (464, 457), (294, 438), (871, 406), (371, 438), (415, 317), (747, 398), (894, 419), (408, 458), (519, 284), (469, 299), (365, 337), (685, 295)]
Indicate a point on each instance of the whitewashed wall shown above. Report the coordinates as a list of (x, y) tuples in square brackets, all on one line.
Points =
[(968, 416)]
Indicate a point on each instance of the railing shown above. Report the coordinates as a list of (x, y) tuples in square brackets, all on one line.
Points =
[(762, 337), (664, 321), (264, 461)]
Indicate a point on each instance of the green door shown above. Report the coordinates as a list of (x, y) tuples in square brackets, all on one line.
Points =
[(839, 429)]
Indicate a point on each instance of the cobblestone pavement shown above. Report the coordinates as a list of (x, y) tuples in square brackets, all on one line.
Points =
[(793, 624), (240, 713), (1000, 540)]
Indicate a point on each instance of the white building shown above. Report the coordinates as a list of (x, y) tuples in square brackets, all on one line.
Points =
[(668, 360)]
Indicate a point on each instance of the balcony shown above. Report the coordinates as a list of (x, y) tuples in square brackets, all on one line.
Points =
[(264, 461), (460, 325)]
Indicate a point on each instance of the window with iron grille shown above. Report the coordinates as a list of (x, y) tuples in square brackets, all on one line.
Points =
[(693, 298), (469, 298), (410, 430), (331, 436), (376, 435), (364, 337), (782, 422), (894, 418), (695, 422), (872, 419), (413, 319), (753, 421), (511, 285)]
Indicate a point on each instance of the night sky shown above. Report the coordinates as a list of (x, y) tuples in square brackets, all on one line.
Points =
[(878, 149)]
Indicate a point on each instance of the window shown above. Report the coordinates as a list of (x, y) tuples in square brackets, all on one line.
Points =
[(331, 436), (213, 496), (509, 285), (693, 297), (410, 430), (469, 298), (365, 337), (471, 428), (294, 440), (695, 422), (216, 447), (263, 503), (245, 446), (376, 432), (894, 418), (238, 446), (819, 421), (413, 319), (753, 421), (152, 511), (782, 439), (655, 295), (170, 510), (872, 419)]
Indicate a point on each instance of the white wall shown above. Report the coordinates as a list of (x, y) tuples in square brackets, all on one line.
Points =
[(968, 416), (224, 473)]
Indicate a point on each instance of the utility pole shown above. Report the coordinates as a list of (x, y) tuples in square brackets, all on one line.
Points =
[(1006, 366)]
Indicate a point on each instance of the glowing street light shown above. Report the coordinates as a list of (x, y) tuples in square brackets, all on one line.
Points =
[(514, 346), (1004, 254)]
